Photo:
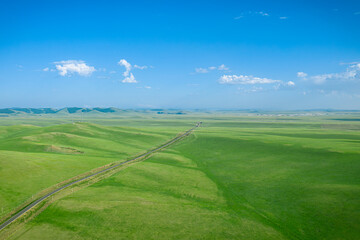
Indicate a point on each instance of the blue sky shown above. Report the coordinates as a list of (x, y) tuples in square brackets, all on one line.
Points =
[(180, 54)]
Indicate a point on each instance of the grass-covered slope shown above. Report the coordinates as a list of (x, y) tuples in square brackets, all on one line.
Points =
[(229, 180), (35, 158)]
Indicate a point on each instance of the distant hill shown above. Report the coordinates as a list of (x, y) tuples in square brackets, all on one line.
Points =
[(67, 110), (77, 110)]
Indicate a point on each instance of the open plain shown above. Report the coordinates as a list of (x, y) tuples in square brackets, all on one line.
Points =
[(235, 177)]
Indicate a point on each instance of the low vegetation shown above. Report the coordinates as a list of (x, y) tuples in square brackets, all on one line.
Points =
[(234, 178), (34, 158)]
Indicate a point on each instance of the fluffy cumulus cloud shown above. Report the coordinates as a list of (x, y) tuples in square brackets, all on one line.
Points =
[(129, 77), (69, 67), (222, 67), (127, 66), (290, 83)]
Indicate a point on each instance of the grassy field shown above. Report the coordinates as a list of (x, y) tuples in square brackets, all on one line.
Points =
[(233, 179), (33, 158)]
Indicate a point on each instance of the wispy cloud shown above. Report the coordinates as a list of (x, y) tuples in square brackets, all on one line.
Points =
[(103, 77), (238, 17), (349, 63), (252, 13), (357, 13), (352, 73), (301, 75), (201, 70), (264, 14), (140, 67), (258, 14), (244, 79), (146, 87), (222, 67), (20, 67), (251, 90), (69, 67), (253, 84)]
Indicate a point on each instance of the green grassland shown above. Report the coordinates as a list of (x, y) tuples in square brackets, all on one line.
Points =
[(34, 158), (237, 177)]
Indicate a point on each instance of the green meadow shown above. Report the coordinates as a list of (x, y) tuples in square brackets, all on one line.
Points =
[(236, 177), (34, 158)]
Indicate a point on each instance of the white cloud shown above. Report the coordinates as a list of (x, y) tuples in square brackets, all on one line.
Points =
[(74, 66), (352, 73), (127, 66), (148, 87), (129, 79), (264, 14), (302, 75), (290, 83), (140, 67), (222, 67), (46, 69), (320, 79), (349, 63), (257, 14), (201, 70), (243, 79)]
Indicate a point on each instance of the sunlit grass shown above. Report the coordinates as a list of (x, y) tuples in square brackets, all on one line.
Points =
[(228, 180)]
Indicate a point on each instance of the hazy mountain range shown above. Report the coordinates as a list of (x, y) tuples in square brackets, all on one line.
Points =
[(78, 110)]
